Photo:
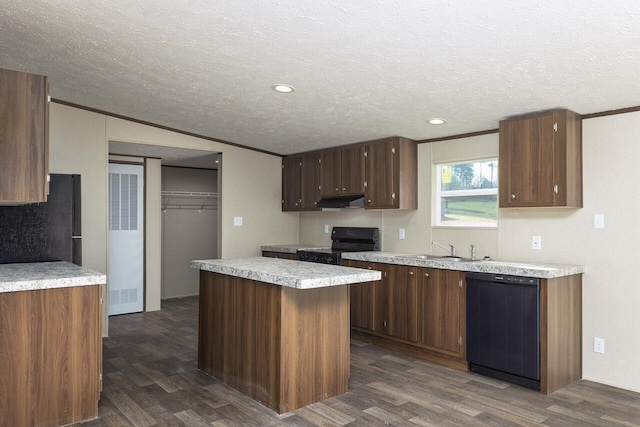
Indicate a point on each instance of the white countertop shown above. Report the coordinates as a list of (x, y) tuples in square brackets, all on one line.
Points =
[(512, 268), (291, 249), (284, 272), (46, 275)]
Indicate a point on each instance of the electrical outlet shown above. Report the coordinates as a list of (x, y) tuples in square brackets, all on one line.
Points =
[(536, 243), (401, 234), (237, 221), (598, 345), (326, 229)]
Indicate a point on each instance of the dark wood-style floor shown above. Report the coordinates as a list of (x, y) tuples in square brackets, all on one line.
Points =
[(151, 378)]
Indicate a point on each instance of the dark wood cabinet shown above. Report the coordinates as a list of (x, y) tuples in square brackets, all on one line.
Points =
[(281, 255), (24, 137), (385, 172), (422, 312), (50, 356), (352, 169), (300, 182), (342, 171), (540, 160), (310, 181), (330, 172), (363, 299), (402, 302), (291, 172), (442, 308), (414, 310), (391, 177)]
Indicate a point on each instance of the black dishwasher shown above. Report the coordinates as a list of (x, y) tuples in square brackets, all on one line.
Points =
[(503, 327)]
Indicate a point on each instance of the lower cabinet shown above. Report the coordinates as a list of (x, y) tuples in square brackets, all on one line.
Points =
[(422, 312), (282, 255), (50, 356), (442, 310), (415, 310), (365, 313), (401, 302)]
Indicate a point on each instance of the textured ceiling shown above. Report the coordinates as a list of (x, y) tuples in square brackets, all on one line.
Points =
[(362, 70)]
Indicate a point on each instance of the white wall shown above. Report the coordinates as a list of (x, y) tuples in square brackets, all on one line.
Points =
[(78, 144), (152, 234), (251, 183), (611, 147), (187, 234)]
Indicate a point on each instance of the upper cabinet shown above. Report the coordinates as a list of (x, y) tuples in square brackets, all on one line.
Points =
[(291, 198), (541, 160), (310, 185), (342, 171), (24, 138), (391, 172), (300, 182), (385, 172)]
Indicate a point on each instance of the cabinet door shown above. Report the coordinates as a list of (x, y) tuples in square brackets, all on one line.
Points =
[(353, 170), (330, 177), (441, 309), (380, 191), (527, 161), (362, 297), (291, 170), (24, 137), (309, 181), (402, 302)]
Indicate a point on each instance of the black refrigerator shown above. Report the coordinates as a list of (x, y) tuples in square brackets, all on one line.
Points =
[(48, 231)]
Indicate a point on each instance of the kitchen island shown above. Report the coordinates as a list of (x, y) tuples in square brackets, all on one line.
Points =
[(276, 330), (50, 343)]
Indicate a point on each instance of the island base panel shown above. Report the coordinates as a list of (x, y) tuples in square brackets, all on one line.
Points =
[(285, 348)]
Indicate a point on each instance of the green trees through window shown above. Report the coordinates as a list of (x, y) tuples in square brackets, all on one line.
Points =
[(467, 194)]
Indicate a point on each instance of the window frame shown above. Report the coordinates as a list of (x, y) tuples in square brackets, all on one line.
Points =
[(439, 194)]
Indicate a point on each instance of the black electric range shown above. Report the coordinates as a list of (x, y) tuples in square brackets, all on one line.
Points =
[(343, 239)]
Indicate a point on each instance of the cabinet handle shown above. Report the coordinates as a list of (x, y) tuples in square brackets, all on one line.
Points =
[(555, 189), (344, 188), (411, 273), (369, 201), (337, 189), (426, 274), (513, 196)]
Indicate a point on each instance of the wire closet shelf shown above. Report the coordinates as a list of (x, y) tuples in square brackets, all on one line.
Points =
[(190, 200)]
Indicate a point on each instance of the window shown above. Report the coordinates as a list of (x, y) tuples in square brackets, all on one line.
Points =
[(467, 194)]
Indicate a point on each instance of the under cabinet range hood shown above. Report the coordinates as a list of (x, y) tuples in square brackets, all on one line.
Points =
[(337, 202)]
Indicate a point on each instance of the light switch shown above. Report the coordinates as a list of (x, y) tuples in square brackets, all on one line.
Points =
[(326, 229), (401, 234), (237, 221), (536, 242), (598, 221)]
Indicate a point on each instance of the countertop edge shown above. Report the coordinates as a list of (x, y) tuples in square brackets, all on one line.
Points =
[(541, 271), (46, 275), (291, 249), (295, 274)]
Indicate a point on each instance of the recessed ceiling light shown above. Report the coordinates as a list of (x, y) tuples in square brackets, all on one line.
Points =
[(436, 121), (282, 88)]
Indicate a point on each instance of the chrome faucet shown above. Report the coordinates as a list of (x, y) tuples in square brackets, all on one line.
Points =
[(451, 248)]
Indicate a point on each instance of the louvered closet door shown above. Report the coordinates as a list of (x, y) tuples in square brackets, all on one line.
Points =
[(126, 239)]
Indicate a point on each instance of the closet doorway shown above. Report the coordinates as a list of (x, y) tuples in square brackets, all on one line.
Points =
[(189, 226)]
